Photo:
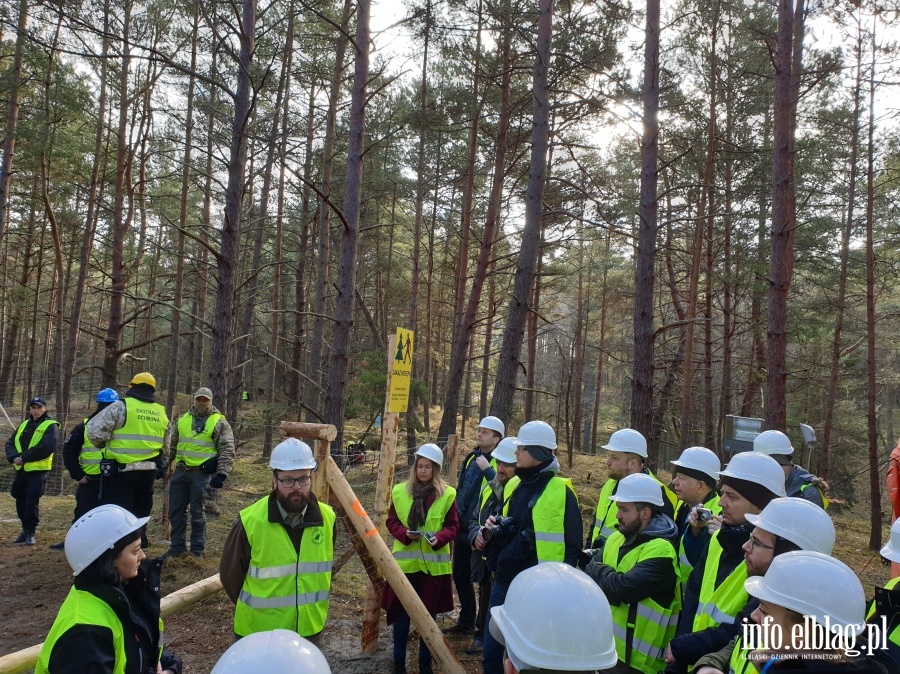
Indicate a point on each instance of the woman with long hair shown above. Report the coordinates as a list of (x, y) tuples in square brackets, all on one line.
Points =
[(423, 520), (109, 623)]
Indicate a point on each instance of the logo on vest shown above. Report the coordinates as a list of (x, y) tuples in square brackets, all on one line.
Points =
[(318, 537)]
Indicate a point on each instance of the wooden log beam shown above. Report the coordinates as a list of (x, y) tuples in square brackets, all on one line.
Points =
[(299, 429), (452, 451), (383, 558)]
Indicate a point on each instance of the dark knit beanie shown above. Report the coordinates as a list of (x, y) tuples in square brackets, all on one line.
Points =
[(753, 492), (697, 475), (539, 452)]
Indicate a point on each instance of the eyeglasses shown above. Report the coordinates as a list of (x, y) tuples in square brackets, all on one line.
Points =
[(288, 482), (755, 543)]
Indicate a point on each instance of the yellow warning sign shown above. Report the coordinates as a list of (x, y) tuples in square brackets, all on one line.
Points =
[(401, 371)]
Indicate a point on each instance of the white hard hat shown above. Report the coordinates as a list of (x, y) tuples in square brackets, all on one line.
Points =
[(699, 458), (536, 433), (432, 452), (758, 468), (891, 549), (627, 440), (638, 488), (556, 617), (506, 450), (96, 532), (493, 424), (772, 442), (799, 521), (815, 585), (292, 454), (274, 652)]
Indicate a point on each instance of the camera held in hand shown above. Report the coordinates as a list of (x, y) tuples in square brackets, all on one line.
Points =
[(704, 515), (500, 532)]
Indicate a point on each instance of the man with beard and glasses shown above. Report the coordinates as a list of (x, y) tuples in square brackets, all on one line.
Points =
[(276, 561)]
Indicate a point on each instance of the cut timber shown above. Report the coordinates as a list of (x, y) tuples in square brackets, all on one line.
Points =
[(383, 558), (452, 451), (298, 429), (23, 661)]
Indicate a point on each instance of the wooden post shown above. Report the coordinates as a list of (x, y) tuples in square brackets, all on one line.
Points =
[(390, 424), (384, 560), (452, 451), (324, 435)]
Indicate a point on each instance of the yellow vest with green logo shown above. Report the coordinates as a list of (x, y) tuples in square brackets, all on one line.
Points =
[(194, 449), (43, 464), (721, 604), (548, 519), (141, 438), (419, 555), (646, 626), (284, 589), (83, 608), (605, 520), (685, 566), (740, 663), (89, 458)]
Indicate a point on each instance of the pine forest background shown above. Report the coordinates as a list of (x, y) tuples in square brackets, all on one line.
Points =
[(597, 214)]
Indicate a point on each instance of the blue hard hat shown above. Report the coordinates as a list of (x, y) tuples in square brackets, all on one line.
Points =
[(107, 395)]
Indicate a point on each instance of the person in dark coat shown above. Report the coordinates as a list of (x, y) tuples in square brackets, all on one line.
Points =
[(30, 450), (423, 521), (110, 621)]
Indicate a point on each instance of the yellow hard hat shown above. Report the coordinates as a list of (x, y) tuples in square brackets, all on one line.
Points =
[(144, 378)]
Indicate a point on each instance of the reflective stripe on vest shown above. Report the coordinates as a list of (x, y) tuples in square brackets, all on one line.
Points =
[(89, 458), (654, 624), (720, 604), (141, 438), (605, 519), (548, 519), (43, 464), (419, 555), (739, 663), (684, 564), (279, 595), (83, 608), (194, 449)]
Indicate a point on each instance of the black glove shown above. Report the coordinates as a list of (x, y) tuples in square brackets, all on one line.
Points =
[(218, 481), (585, 556)]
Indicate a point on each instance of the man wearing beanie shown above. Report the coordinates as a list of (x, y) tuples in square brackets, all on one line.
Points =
[(696, 474), (714, 593), (131, 434), (542, 523)]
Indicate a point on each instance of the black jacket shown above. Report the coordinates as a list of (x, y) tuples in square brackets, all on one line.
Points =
[(88, 649), (654, 578), (519, 553), (689, 646)]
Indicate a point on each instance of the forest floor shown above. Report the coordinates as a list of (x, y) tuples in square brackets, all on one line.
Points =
[(34, 580)]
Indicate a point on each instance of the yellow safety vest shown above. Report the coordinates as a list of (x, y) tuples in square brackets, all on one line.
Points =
[(894, 636), (740, 663), (548, 518), (685, 566), (721, 604), (89, 458), (194, 449), (642, 630), (83, 608), (284, 589), (43, 464), (419, 555), (605, 520), (142, 436), (508, 490)]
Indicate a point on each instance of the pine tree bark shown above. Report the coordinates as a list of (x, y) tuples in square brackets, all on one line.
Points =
[(505, 386), (12, 115)]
